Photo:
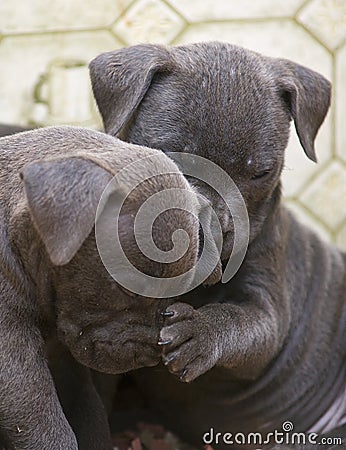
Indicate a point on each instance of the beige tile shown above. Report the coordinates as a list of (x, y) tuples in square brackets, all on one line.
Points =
[(63, 94), (44, 16), (309, 220), (196, 10), (326, 19), (279, 38), (26, 59), (55, 65), (340, 99), (298, 168), (148, 21), (326, 195)]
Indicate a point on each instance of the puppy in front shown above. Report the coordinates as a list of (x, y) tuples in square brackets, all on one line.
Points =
[(61, 311), (270, 345)]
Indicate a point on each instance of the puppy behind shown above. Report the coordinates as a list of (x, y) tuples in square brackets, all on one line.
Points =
[(269, 345)]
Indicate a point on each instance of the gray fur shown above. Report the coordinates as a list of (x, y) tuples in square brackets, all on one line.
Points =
[(271, 343), (61, 312), (8, 129)]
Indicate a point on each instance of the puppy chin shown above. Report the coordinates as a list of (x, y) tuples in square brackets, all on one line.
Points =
[(116, 358), (112, 348)]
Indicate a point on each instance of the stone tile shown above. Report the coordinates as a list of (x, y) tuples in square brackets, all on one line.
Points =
[(287, 40), (341, 238), (44, 77), (63, 94), (56, 66), (196, 10), (279, 38), (309, 220), (44, 16), (326, 19), (148, 21), (298, 168), (326, 195), (340, 100)]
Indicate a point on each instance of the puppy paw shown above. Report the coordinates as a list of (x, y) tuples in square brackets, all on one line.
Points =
[(189, 343)]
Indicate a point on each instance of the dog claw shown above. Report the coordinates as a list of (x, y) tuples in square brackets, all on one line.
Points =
[(169, 359), (167, 313), (166, 342), (183, 374)]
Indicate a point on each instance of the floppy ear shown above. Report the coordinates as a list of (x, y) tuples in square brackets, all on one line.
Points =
[(307, 94), (63, 195), (121, 78)]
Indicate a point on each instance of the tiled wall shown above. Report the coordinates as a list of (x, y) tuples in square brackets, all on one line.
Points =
[(45, 47)]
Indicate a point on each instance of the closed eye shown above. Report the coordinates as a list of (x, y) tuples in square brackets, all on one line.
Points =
[(259, 175)]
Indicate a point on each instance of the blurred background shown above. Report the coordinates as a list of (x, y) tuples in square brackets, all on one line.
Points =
[(45, 47)]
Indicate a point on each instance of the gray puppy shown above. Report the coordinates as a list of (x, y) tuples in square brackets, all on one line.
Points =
[(270, 344), (7, 129), (61, 312)]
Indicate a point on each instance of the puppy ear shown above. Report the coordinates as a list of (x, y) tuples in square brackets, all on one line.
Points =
[(120, 80), (308, 95), (63, 195)]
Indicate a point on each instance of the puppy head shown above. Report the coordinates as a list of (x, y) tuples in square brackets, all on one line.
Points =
[(225, 103), (63, 195), (104, 325)]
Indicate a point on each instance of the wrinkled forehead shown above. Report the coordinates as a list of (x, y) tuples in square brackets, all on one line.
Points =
[(223, 71), (217, 99)]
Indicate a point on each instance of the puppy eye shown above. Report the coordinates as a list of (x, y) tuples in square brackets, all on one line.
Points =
[(259, 175)]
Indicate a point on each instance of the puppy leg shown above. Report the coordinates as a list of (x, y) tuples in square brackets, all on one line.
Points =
[(4, 444), (81, 403), (30, 413), (106, 385)]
